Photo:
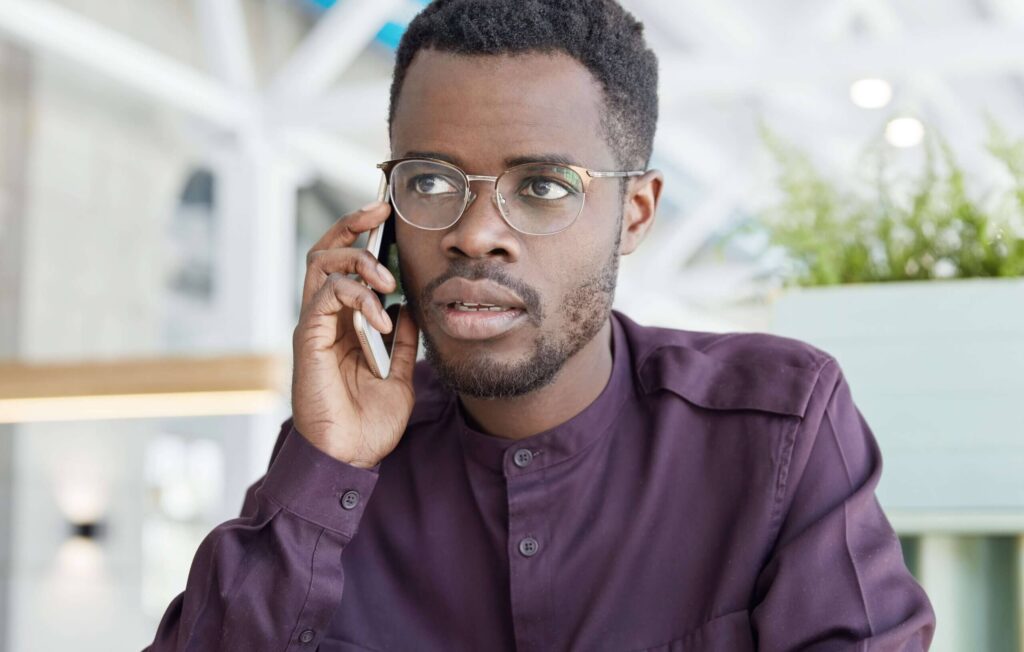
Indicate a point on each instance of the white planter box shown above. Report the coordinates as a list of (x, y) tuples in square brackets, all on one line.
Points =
[(937, 369)]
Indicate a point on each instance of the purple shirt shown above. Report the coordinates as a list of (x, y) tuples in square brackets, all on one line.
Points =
[(717, 495)]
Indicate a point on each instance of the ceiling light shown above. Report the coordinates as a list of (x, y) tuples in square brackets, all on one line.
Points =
[(904, 132), (871, 93)]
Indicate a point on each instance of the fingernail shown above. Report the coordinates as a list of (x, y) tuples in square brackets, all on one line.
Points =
[(384, 273), (372, 205), (385, 317)]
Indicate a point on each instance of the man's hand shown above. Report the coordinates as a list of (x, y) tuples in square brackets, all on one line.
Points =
[(337, 402)]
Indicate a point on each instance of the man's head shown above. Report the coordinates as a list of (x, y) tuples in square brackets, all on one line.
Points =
[(482, 82), (599, 34)]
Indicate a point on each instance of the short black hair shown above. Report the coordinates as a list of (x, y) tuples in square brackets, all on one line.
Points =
[(600, 34)]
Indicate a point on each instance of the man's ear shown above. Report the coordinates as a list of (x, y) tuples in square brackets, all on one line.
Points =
[(641, 205)]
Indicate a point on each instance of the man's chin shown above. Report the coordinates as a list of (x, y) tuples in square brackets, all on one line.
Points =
[(487, 374), (475, 358)]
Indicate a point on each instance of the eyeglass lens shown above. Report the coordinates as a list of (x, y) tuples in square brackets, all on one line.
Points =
[(537, 198)]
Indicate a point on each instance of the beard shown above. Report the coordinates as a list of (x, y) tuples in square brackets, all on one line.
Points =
[(584, 310)]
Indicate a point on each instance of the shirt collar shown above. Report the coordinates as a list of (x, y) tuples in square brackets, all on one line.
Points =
[(563, 441)]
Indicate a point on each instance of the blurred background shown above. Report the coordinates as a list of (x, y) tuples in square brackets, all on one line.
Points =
[(846, 172)]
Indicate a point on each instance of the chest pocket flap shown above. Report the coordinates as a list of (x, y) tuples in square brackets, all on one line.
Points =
[(733, 383)]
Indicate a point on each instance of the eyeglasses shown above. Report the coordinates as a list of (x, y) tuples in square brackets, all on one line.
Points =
[(533, 198)]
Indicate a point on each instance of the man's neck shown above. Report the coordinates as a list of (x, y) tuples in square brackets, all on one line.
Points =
[(579, 382)]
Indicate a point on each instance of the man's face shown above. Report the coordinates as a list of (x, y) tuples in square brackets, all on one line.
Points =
[(480, 111)]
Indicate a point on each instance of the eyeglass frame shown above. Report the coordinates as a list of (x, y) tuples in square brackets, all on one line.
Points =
[(586, 176)]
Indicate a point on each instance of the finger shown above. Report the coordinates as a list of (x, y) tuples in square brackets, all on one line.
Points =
[(346, 230), (338, 292), (321, 264), (403, 353)]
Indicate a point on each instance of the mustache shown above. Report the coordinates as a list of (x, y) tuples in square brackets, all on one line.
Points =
[(476, 272)]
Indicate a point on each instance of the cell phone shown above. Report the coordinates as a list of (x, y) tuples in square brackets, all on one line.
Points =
[(382, 243)]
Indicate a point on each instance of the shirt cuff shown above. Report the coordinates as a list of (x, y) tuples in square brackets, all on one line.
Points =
[(318, 488)]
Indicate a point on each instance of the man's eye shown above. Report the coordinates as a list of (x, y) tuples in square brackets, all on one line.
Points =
[(544, 188), (431, 184)]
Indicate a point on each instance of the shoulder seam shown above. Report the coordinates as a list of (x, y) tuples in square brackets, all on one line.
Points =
[(785, 453)]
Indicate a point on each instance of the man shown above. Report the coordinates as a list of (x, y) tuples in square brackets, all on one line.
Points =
[(554, 476)]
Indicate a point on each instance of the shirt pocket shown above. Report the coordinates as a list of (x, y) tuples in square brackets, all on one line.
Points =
[(727, 633)]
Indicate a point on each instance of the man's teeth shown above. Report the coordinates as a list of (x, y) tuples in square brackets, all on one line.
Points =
[(478, 307)]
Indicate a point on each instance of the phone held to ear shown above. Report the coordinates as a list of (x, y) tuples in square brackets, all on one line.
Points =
[(377, 347)]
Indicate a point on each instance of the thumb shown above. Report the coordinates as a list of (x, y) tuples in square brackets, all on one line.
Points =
[(403, 353)]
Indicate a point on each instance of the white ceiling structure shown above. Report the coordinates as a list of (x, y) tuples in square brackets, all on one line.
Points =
[(724, 65)]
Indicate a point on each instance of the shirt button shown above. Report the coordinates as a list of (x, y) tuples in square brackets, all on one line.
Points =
[(307, 635), (529, 547), (350, 499), (522, 458)]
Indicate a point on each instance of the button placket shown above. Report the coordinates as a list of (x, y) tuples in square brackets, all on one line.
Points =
[(529, 572)]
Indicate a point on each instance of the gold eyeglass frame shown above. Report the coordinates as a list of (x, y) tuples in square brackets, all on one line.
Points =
[(586, 176)]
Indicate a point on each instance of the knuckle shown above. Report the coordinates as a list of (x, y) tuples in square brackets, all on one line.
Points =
[(347, 232), (367, 259), (323, 294), (367, 299), (343, 289)]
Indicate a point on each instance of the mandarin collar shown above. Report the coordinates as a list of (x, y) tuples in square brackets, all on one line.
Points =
[(564, 440)]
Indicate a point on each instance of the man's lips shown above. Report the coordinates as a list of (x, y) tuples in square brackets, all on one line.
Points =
[(478, 325), (477, 310), (483, 291)]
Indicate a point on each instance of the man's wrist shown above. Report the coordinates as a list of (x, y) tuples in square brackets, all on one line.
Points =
[(313, 485), (339, 455), (358, 464)]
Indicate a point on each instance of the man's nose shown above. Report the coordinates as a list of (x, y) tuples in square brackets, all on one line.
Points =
[(481, 231)]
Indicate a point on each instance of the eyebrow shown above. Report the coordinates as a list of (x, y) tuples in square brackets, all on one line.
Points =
[(438, 155), (511, 161)]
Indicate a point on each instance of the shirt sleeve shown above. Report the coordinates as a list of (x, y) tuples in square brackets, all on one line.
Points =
[(836, 579), (272, 578)]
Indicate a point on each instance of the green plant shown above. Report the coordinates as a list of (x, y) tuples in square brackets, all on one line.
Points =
[(831, 233)]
